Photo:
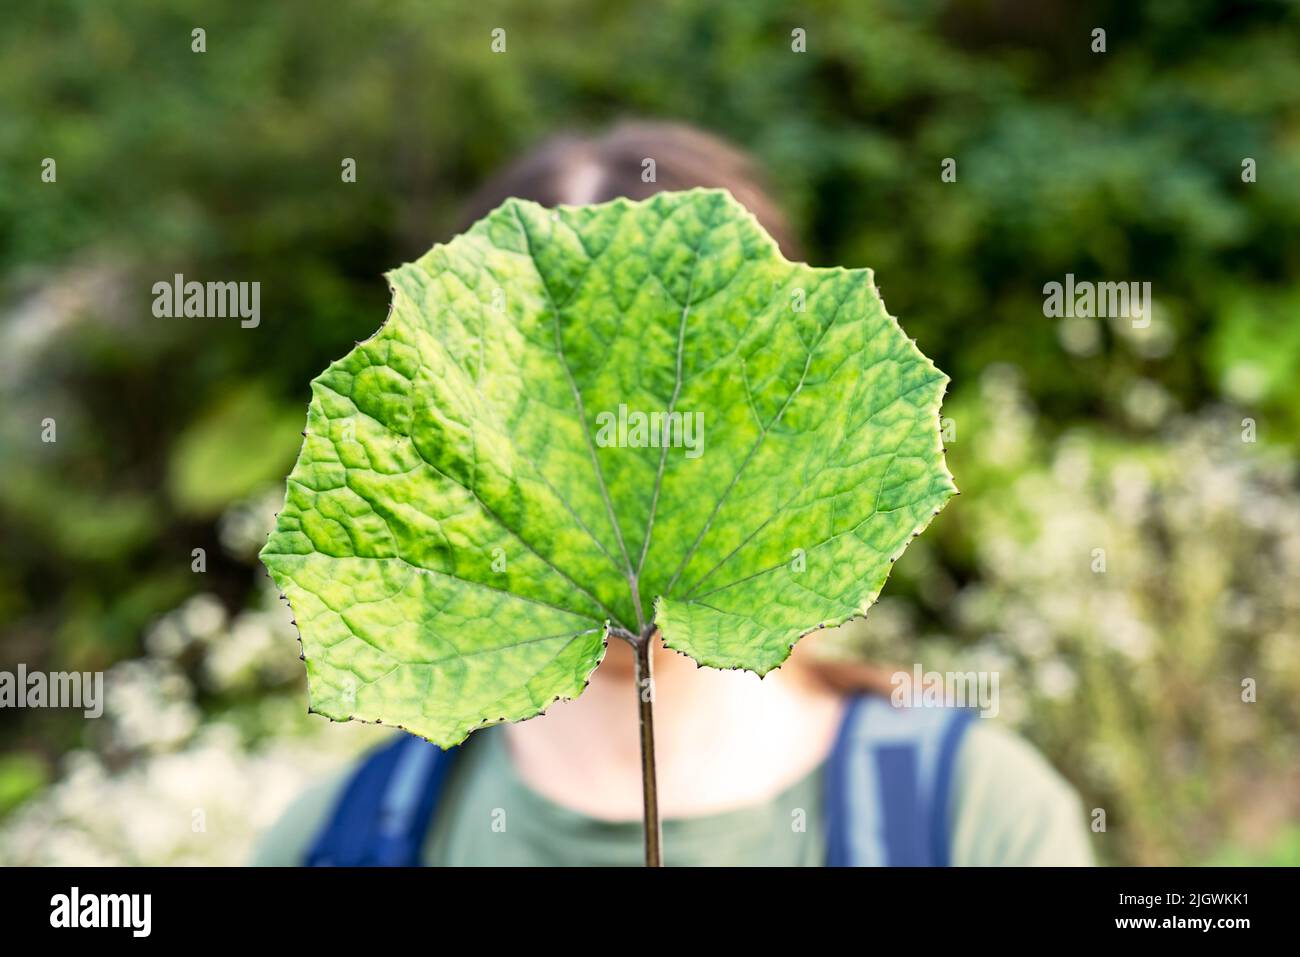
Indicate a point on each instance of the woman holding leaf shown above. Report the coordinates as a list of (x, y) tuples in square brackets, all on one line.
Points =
[(461, 549)]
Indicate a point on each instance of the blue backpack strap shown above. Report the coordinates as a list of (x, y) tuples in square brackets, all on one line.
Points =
[(383, 814), (888, 784)]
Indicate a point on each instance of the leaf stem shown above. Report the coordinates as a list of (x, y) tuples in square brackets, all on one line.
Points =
[(642, 646)]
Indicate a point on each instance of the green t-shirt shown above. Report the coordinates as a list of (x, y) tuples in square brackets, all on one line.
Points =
[(1009, 807)]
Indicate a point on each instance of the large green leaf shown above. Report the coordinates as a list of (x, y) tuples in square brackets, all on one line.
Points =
[(458, 538)]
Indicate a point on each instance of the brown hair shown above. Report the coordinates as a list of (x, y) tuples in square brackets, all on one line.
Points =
[(573, 169)]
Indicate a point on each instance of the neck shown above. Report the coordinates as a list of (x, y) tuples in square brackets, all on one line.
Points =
[(723, 739)]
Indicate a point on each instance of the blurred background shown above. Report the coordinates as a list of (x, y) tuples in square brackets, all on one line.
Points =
[(1065, 435)]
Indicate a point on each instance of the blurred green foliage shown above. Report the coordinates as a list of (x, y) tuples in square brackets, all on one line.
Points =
[(245, 440), (21, 776), (1117, 166)]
